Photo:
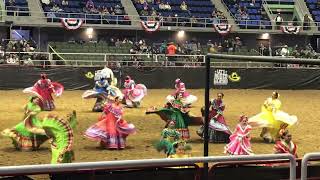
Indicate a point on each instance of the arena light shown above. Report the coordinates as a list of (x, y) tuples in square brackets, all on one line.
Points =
[(181, 34), (89, 31)]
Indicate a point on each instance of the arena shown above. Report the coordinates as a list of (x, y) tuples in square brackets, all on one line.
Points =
[(140, 145)]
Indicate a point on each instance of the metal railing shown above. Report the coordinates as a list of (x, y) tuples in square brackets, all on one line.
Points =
[(143, 163), (304, 165)]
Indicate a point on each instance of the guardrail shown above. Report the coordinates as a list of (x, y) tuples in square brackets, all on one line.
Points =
[(304, 165), (143, 163)]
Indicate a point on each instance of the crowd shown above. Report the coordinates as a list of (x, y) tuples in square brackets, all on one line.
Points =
[(19, 52)]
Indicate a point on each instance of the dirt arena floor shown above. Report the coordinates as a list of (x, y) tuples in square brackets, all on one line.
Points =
[(304, 104)]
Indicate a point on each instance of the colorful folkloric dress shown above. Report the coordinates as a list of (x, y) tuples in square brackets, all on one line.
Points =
[(134, 93), (282, 147), (187, 99), (61, 133), (219, 131), (43, 89), (111, 130), (168, 138), (103, 92), (240, 141), (177, 113), (272, 119), (28, 134)]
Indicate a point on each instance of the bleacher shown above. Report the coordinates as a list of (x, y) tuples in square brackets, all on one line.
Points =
[(314, 8), (255, 20), (75, 9), (17, 7), (196, 8)]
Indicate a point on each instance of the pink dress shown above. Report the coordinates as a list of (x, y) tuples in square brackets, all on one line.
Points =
[(181, 89), (134, 93), (111, 130), (240, 142), (43, 89)]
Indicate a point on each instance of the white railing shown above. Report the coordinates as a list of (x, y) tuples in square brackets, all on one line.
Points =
[(304, 165), (143, 163)]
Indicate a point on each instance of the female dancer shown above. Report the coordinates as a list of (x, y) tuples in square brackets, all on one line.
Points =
[(285, 144), (43, 88), (103, 92), (28, 135), (272, 119), (187, 99), (175, 111), (240, 139), (61, 133), (168, 137), (219, 131), (133, 93), (111, 131)]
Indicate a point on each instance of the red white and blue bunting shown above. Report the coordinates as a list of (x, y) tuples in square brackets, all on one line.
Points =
[(71, 23), (222, 29), (150, 26), (290, 29)]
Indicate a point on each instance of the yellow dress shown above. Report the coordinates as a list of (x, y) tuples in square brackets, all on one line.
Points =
[(272, 117)]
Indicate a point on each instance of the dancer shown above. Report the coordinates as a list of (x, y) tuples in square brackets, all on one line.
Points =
[(187, 99), (285, 144), (219, 131), (240, 139), (43, 88), (133, 93), (175, 111), (111, 131), (168, 137), (103, 92), (28, 134), (61, 133), (272, 119), (182, 150)]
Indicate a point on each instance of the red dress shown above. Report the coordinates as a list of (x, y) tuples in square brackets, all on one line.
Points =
[(282, 147), (111, 130)]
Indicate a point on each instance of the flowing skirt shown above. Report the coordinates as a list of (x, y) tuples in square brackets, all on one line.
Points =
[(186, 101), (134, 97), (238, 146)]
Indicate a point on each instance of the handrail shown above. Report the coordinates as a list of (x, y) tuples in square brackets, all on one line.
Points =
[(304, 164), (143, 163)]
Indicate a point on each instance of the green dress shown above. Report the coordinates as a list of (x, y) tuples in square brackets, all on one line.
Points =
[(169, 137), (61, 133), (27, 135), (175, 112)]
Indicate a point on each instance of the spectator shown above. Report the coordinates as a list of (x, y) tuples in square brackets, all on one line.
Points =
[(306, 22), (56, 8), (171, 52), (64, 3), (118, 10), (167, 6), (184, 6), (278, 21), (142, 1), (89, 5), (162, 6)]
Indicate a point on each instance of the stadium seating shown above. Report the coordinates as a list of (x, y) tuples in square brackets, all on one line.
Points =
[(255, 19), (314, 8), (20, 6), (196, 8), (76, 9)]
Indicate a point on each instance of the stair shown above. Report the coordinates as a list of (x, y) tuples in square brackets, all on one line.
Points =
[(302, 10), (131, 10), (219, 4)]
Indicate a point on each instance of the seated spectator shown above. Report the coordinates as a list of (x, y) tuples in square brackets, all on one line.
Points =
[(64, 3), (167, 6), (142, 1), (56, 8), (118, 10), (12, 3), (145, 6), (184, 6), (162, 6), (153, 12), (89, 5)]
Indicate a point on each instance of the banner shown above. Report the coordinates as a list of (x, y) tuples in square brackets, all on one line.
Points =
[(290, 29), (71, 23), (150, 26), (222, 29), (71, 78)]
